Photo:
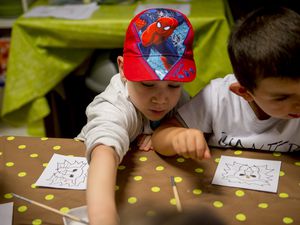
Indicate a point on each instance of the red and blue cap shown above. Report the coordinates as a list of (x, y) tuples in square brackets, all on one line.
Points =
[(159, 46)]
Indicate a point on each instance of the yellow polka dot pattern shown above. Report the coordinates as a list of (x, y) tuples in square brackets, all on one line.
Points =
[(180, 160), (263, 205), (239, 193), (240, 217), (37, 222), (287, 220), (137, 178), (49, 197), (22, 208), (218, 204), (132, 200), (199, 171)]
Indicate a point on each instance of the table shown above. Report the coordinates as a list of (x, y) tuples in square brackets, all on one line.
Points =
[(45, 50), (143, 184)]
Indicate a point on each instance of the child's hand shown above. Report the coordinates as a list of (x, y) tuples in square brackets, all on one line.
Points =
[(191, 143), (144, 142)]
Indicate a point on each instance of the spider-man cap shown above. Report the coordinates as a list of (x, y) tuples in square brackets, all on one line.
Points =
[(159, 46)]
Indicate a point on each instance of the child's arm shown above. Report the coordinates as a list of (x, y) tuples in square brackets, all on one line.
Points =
[(101, 186), (172, 138)]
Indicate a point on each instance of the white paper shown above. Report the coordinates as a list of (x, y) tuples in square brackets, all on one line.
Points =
[(256, 174), (184, 8), (73, 12), (6, 213), (68, 172)]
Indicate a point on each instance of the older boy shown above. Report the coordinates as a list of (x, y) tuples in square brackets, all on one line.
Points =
[(157, 59), (257, 108)]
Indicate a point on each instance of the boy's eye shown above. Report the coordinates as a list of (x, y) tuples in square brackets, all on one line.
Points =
[(147, 84), (281, 98), (174, 85)]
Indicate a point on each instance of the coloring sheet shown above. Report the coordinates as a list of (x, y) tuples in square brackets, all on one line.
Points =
[(6, 213), (67, 172), (256, 174)]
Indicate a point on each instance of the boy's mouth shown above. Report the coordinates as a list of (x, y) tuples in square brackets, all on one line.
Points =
[(294, 115)]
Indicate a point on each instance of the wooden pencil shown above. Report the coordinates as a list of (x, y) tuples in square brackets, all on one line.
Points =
[(51, 209), (175, 191)]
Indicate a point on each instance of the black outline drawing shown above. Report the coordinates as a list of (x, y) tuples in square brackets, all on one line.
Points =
[(248, 174)]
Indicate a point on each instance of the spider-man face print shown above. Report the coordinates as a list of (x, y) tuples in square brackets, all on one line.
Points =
[(163, 38)]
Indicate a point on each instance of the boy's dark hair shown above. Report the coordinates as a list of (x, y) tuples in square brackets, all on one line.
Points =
[(266, 43)]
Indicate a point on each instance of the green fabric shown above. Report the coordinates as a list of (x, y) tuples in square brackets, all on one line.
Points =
[(45, 50)]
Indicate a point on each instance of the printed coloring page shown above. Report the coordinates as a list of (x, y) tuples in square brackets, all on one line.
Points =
[(256, 174), (68, 172)]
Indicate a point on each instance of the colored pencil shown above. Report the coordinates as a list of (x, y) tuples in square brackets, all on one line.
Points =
[(175, 191)]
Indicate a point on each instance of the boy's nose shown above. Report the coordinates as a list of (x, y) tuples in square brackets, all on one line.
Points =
[(159, 99)]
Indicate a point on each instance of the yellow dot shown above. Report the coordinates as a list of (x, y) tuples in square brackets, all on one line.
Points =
[(9, 164), (177, 179), (21, 147), (263, 205), (281, 173), (10, 138), (121, 167), (283, 195), (22, 174), (180, 159), (22, 208), (239, 193), (34, 155), (150, 213), (33, 186), (276, 154), (159, 168), (64, 209), (132, 200), (117, 188), (173, 201), (56, 147), (297, 163), (197, 191), (37, 222), (287, 220), (218, 204), (44, 138), (8, 195), (143, 159), (240, 217), (45, 164), (137, 178), (1, 153), (199, 170), (217, 160), (155, 189), (238, 152), (49, 197)]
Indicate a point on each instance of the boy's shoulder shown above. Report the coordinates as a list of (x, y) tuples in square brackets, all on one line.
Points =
[(227, 80)]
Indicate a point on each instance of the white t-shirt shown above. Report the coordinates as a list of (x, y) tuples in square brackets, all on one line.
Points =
[(113, 120), (231, 122)]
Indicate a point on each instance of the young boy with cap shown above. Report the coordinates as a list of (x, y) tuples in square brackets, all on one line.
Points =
[(257, 108), (157, 59)]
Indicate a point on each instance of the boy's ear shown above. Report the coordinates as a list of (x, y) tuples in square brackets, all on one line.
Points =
[(241, 91), (120, 61)]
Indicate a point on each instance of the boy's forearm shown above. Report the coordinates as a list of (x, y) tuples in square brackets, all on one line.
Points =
[(101, 186), (162, 137)]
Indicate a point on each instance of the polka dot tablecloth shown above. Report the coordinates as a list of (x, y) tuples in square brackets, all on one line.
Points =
[(143, 184)]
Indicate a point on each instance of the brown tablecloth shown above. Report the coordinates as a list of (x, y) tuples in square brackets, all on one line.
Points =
[(143, 184)]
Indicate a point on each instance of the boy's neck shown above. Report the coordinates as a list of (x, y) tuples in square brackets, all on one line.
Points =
[(260, 114)]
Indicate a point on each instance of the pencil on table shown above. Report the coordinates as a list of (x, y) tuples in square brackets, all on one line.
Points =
[(175, 191), (51, 209)]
